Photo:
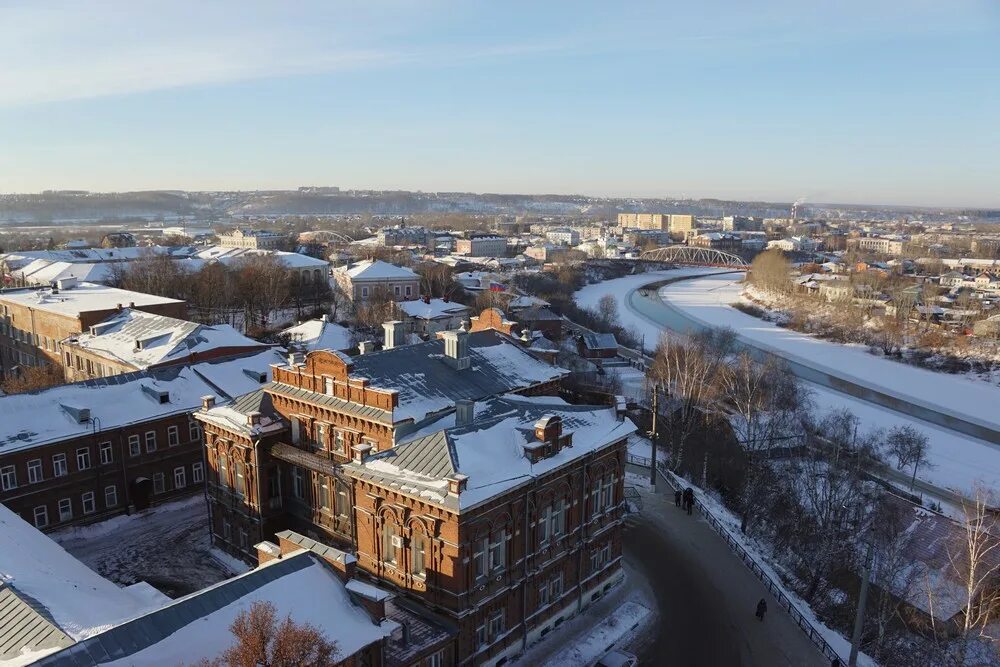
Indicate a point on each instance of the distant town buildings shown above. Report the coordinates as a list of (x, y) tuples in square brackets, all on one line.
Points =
[(673, 223), (252, 239), (482, 245), (364, 280)]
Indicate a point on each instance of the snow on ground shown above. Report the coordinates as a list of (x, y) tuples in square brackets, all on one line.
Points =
[(633, 381), (589, 648), (167, 546), (707, 300), (957, 462), (588, 296)]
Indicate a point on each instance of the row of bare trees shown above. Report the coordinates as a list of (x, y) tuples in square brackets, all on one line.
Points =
[(808, 492), (247, 293)]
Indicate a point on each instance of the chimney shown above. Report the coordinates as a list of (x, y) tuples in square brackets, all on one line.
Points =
[(393, 334), (465, 412), (119, 306), (446, 298), (621, 407), (295, 358), (366, 347), (361, 451), (131, 304), (457, 483), (427, 298), (456, 348), (253, 418), (326, 317), (207, 402)]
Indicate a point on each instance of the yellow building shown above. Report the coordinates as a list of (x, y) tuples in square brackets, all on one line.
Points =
[(666, 222)]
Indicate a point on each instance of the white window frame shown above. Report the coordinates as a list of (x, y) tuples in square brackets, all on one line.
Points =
[(298, 483), (65, 507), (197, 473), (418, 549), (43, 512), (498, 553), (223, 463), (480, 557), (35, 473), (88, 503), (173, 436), (497, 624), (159, 483), (107, 454), (8, 478), (134, 445), (59, 467), (150, 440), (111, 492), (180, 477), (194, 431), (83, 458)]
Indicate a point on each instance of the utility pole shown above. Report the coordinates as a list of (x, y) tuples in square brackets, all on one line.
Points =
[(652, 438), (859, 618)]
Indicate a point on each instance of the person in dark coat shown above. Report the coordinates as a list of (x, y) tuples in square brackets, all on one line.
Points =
[(688, 499), (677, 497), (761, 609)]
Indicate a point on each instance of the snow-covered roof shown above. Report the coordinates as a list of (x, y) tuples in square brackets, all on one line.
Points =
[(82, 298), (490, 452), (239, 375), (196, 627), (54, 414), (61, 590), (377, 270), (433, 309), (426, 383), (291, 260), (600, 341), (526, 302), (320, 334), (143, 339)]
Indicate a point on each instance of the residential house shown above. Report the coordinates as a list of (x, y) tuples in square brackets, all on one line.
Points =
[(371, 278), (319, 334), (597, 346), (428, 316)]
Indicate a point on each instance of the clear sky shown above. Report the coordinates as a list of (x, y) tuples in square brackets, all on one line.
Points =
[(857, 101)]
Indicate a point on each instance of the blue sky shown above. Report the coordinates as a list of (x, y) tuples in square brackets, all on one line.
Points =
[(866, 102)]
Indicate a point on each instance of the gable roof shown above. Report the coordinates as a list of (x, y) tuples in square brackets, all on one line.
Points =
[(490, 452), (377, 270), (143, 339), (320, 334), (197, 626), (600, 341)]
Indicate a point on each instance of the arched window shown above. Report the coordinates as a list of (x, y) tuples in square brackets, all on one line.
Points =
[(223, 469), (240, 470)]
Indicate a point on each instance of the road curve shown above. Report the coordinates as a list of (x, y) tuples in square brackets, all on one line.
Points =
[(646, 302)]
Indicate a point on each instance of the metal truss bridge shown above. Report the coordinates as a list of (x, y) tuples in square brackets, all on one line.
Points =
[(693, 256)]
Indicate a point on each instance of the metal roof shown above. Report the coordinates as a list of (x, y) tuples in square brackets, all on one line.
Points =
[(129, 638), (338, 404), (25, 625)]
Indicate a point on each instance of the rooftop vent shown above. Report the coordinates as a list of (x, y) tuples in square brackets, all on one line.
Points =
[(80, 414), (68, 282), (393, 334), (159, 395), (465, 412), (257, 376), (366, 347), (456, 348)]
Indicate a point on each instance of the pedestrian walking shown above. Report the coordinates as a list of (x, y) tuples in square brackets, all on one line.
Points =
[(761, 609), (688, 499), (677, 497)]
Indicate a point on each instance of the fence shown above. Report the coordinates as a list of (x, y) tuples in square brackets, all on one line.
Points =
[(776, 590)]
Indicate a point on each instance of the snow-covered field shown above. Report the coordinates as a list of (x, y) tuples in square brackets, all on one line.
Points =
[(166, 546), (707, 300)]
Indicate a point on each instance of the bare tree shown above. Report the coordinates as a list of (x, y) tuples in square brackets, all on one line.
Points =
[(976, 564), (909, 447), (607, 310), (687, 370), (261, 641), (262, 287), (771, 271)]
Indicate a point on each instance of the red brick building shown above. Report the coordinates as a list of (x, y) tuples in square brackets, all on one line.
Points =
[(404, 457), (34, 321)]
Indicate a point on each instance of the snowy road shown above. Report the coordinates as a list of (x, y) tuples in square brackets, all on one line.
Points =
[(166, 546), (706, 597)]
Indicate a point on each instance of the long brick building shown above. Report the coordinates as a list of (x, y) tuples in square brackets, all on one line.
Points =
[(449, 468)]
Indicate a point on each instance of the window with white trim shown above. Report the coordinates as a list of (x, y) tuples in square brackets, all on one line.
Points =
[(66, 509), (388, 547), (106, 453), (34, 471), (343, 507), (498, 552), (223, 470), (150, 442), (324, 492), (240, 472), (227, 531), (480, 557), (8, 478), (87, 500), (194, 431), (543, 595), (83, 458), (497, 624), (59, 468), (173, 436), (480, 637), (340, 443), (158, 483), (600, 557), (41, 516), (556, 587), (244, 539), (436, 660), (197, 473), (180, 477), (111, 496), (418, 548), (133, 445)]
